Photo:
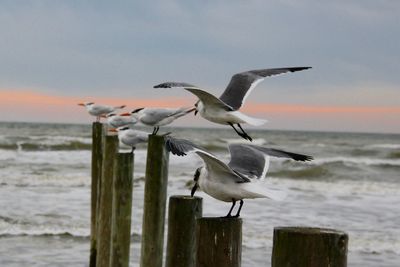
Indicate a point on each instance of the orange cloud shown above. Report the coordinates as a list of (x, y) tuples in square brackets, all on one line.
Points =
[(30, 106), (10, 97)]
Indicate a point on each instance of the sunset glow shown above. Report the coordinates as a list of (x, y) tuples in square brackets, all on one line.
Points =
[(26, 105)]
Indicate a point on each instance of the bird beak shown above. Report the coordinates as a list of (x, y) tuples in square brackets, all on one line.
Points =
[(81, 104), (194, 189), (113, 130), (125, 114)]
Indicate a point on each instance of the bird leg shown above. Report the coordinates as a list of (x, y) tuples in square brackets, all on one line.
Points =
[(155, 130), (239, 133), (240, 208), (230, 211), (133, 149), (246, 136)]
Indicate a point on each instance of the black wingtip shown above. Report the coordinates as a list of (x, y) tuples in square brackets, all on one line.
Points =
[(304, 158), (294, 69), (171, 147), (162, 85)]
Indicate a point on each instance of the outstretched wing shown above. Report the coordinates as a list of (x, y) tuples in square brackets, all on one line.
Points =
[(248, 161), (282, 154), (181, 147), (243, 83), (174, 84), (253, 161), (205, 97), (209, 100)]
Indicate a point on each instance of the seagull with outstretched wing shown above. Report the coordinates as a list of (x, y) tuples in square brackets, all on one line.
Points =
[(237, 180), (225, 109)]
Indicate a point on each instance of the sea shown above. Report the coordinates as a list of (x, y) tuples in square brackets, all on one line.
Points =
[(352, 185)]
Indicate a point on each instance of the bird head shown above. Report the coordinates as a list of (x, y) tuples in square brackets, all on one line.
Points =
[(119, 129), (86, 104), (196, 179)]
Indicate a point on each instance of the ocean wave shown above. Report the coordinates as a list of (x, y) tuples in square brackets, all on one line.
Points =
[(37, 143), (22, 227), (357, 161), (387, 146), (310, 172), (394, 155), (26, 146)]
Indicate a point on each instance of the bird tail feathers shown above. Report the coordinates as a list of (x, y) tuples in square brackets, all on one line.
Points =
[(250, 120), (259, 188)]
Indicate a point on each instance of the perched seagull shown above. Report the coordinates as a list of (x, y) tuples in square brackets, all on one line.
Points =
[(98, 110), (225, 109), (237, 180), (130, 137), (157, 117), (116, 121)]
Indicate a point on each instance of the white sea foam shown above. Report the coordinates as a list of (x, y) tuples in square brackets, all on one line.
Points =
[(355, 161)]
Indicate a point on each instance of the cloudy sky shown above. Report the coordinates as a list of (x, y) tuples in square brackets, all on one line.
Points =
[(55, 54)]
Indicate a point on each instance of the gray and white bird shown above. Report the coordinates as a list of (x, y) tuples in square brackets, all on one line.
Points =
[(99, 110), (157, 117), (225, 109), (130, 137), (239, 179), (116, 121)]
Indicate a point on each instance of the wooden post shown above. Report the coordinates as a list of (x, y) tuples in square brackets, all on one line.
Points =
[(155, 196), (105, 208), (181, 245), (311, 247), (219, 242), (97, 158), (122, 210)]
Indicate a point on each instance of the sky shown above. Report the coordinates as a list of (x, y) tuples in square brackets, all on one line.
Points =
[(55, 54)]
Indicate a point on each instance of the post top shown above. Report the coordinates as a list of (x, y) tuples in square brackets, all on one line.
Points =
[(308, 230), (185, 197), (221, 219)]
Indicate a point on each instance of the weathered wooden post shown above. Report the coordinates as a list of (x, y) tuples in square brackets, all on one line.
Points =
[(219, 242), (97, 157), (181, 243), (155, 196), (122, 210), (309, 247), (105, 209)]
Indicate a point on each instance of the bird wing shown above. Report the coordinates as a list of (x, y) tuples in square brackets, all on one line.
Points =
[(243, 83), (181, 147), (174, 84), (154, 115), (282, 154), (248, 161), (208, 99), (253, 161)]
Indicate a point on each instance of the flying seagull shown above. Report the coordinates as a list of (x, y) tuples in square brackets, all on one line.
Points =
[(237, 180), (99, 110), (157, 117), (225, 109)]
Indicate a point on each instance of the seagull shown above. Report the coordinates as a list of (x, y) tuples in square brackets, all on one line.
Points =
[(240, 178), (225, 109), (116, 121), (130, 137), (98, 110), (157, 117)]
